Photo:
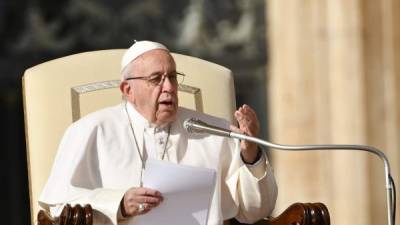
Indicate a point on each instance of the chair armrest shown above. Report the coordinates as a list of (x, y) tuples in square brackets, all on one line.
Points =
[(76, 215), (296, 214), (301, 214)]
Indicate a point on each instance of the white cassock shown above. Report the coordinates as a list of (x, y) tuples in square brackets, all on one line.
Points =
[(97, 162)]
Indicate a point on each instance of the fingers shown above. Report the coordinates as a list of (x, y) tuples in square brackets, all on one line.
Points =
[(247, 110), (147, 192), (151, 201), (138, 201), (249, 125), (247, 119)]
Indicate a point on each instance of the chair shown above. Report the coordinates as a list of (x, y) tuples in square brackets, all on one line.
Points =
[(59, 92)]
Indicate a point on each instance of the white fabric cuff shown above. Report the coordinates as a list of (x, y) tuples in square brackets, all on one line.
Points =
[(258, 169)]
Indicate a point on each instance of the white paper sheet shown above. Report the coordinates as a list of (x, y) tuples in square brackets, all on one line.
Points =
[(187, 193)]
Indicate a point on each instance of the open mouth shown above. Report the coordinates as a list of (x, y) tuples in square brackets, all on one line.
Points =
[(166, 102)]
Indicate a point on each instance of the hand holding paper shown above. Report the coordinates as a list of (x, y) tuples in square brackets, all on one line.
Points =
[(187, 193)]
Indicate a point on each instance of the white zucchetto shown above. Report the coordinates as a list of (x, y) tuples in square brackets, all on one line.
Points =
[(137, 49)]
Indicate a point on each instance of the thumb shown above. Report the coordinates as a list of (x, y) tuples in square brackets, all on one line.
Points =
[(235, 129)]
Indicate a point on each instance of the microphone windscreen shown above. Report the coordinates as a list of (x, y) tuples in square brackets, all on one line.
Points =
[(193, 125), (187, 124)]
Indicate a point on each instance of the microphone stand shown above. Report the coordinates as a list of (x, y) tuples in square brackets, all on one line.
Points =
[(390, 194)]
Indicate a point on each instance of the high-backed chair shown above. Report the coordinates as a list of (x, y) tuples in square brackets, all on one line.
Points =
[(61, 91)]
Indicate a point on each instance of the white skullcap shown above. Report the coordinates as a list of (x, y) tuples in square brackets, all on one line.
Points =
[(137, 49)]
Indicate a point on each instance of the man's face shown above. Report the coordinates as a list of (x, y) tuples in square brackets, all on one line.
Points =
[(158, 103)]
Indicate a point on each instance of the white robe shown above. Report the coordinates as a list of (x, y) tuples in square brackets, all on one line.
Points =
[(97, 161)]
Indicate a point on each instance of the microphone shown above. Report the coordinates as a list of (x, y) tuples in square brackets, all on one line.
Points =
[(194, 125)]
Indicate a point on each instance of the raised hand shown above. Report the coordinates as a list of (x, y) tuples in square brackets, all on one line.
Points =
[(249, 125)]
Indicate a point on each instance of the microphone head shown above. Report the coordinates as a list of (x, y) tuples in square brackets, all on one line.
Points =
[(191, 125), (187, 124), (194, 125)]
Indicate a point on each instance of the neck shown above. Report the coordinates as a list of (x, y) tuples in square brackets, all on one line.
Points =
[(141, 117)]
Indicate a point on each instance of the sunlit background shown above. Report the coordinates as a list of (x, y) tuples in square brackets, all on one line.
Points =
[(316, 71)]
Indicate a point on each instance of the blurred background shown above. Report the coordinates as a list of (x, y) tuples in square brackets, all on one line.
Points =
[(316, 71), (230, 33)]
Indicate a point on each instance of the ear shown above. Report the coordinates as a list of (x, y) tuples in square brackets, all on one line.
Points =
[(125, 88)]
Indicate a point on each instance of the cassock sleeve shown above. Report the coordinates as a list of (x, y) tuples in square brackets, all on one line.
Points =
[(253, 188), (75, 177)]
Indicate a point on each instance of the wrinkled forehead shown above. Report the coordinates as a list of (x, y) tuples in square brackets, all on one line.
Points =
[(153, 61)]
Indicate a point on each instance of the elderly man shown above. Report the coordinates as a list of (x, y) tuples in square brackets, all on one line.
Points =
[(101, 157)]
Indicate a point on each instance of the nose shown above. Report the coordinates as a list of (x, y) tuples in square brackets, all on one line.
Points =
[(168, 85)]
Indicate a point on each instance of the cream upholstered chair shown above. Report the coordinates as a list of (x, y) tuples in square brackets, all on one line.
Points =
[(59, 92)]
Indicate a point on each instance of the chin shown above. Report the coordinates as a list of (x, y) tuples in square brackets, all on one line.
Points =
[(166, 117)]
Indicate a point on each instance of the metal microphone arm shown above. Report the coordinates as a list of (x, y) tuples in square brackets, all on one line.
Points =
[(380, 154), (193, 125)]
